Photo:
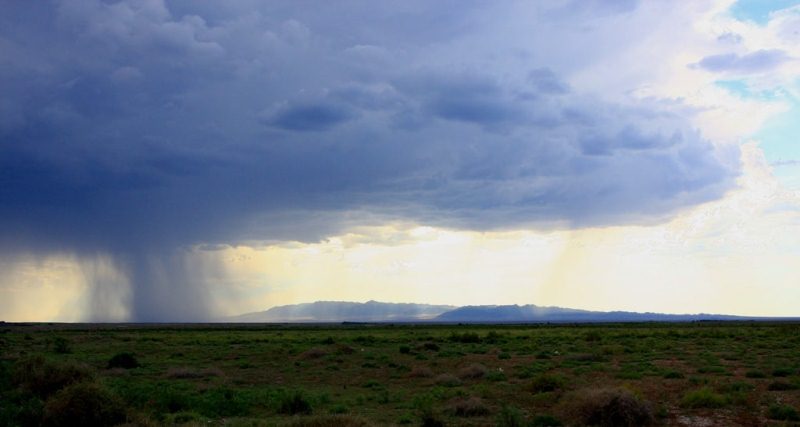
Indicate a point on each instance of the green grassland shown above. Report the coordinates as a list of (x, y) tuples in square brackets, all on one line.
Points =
[(701, 374)]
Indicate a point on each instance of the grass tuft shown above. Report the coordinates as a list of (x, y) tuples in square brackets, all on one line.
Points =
[(703, 398)]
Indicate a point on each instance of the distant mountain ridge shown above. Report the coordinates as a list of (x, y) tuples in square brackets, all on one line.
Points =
[(374, 311), (534, 313), (343, 311)]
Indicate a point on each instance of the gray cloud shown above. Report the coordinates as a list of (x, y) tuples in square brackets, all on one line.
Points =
[(313, 117), (760, 60), (135, 129)]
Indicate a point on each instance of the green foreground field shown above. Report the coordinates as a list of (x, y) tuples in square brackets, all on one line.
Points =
[(696, 374)]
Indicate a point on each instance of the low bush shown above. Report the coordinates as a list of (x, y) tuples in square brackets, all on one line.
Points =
[(544, 383), (329, 421), (510, 416), (190, 373), (755, 374), (495, 376), (782, 372), (545, 421), (313, 353), (430, 346), (83, 404), (44, 378), (294, 403), (448, 380), (465, 337), (429, 418), (493, 337), (420, 372), (610, 407), (593, 336), (473, 371), (470, 407), (61, 345), (783, 413), (223, 402), (781, 386), (123, 360), (703, 398)]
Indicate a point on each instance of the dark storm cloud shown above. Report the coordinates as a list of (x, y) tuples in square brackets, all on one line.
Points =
[(138, 128), (315, 117), (760, 60)]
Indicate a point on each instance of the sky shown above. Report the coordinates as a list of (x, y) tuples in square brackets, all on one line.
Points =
[(190, 160)]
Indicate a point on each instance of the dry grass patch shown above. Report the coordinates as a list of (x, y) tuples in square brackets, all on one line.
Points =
[(448, 380), (420, 372), (472, 372), (313, 353), (190, 373), (470, 407)]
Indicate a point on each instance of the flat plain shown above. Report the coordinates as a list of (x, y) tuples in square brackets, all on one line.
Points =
[(693, 374)]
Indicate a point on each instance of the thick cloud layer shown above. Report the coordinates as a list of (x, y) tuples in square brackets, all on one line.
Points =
[(138, 127)]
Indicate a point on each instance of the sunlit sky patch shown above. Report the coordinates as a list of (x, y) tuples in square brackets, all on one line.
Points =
[(181, 160)]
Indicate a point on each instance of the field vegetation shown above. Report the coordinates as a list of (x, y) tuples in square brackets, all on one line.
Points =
[(693, 374)]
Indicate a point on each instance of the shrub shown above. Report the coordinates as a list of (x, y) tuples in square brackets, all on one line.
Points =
[(19, 408), (189, 373), (510, 416), (365, 339), (223, 402), (428, 418), (465, 337), (493, 337), (673, 375), (448, 380), (783, 412), (593, 336), (344, 349), (473, 371), (43, 378), (431, 346), (372, 384), (738, 386), (755, 374), (545, 421), (61, 345), (83, 404), (544, 383), (611, 407), (404, 349), (781, 386), (471, 407), (498, 375), (339, 409), (703, 398), (782, 372), (186, 417), (294, 403), (330, 421), (421, 372), (123, 360), (313, 353)]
